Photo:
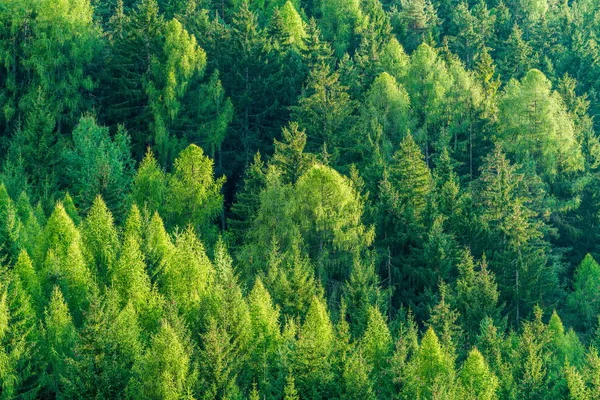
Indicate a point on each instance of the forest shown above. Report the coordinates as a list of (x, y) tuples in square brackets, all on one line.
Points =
[(300, 199)]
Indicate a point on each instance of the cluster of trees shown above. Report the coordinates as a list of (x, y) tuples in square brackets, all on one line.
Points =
[(305, 199)]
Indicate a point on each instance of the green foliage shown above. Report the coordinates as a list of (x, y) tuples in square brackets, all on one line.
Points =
[(97, 165), (283, 199), (194, 195)]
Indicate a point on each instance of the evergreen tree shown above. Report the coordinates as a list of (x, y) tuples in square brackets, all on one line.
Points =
[(97, 165), (476, 379), (165, 370), (312, 363), (60, 338), (581, 301), (101, 240), (194, 195)]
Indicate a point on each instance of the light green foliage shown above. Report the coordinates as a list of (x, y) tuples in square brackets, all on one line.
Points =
[(194, 195), (293, 24), (128, 274), (362, 199), (430, 374), (100, 238), (476, 379), (341, 19), (315, 341), (266, 338), (60, 339), (171, 72), (187, 273), (533, 122), (149, 184), (394, 59), (61, 254), (165, 370), (329, 210), (218, 108)]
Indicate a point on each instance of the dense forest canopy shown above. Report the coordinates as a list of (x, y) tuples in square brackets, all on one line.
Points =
[(299, 199)]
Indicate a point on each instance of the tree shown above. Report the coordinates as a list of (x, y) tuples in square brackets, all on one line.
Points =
[(194, 195), (581, 301), (534, 123), (328, 210), (60, 253), (97, 165), (384, 122), (186, 274), (340, 19), (324, 110), (476, 379), (361, 292), (149, 187), (105, 354), (430, 373), (20, 341), (170, 75), (60, 338), (266, 339), (165, 370), (312, 364), (100, 240), (289, 154), (476, 295), (377, 349), (417, 21)]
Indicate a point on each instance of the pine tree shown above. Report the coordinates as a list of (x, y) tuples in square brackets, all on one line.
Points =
[(194, 195), (475, 296), (98, 165), (100, 239), (534, 123), (312, 364), (149, 184), (324, 110), (289, 154), (157, 245), (61, 254), (329, 211), (430, 373), (60, 338), (106, 351), (581, 301), (186, 274), (361, 292), (165, 370), (377, 349), (476, 379)]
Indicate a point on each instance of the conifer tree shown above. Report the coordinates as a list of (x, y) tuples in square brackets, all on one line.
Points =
[(100, 239), (165, 370), (98, 165), (581, 301), (534, 123), (315, 341), (60, 338), (430, 374), (476, 379), (194, 195)]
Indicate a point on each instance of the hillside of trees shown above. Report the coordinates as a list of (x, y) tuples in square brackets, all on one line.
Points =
[(300, 199)]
